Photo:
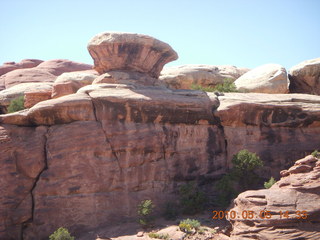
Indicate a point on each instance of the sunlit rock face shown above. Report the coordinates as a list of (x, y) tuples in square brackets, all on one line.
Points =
[(288, 210), (89, 157), (130, 51)]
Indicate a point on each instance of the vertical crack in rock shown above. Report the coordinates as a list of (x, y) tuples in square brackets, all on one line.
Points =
[(105, 134), (29, 221)]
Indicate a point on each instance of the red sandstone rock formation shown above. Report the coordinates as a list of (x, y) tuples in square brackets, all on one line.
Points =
[(304, 77), (288, 210), (26, 63), (129, 51), (88, 158)]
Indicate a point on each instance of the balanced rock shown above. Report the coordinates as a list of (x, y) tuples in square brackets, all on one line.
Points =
[(305, 77), (288, 210), (183, 77), (268, 78), (128, 51), (70, 82)]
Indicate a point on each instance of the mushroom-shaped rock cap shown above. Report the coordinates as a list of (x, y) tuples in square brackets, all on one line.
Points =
[(130, 51)]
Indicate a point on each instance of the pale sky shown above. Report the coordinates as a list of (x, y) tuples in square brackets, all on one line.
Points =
[(244, 33)]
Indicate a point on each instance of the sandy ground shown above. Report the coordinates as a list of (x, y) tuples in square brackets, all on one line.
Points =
[(214, 230)]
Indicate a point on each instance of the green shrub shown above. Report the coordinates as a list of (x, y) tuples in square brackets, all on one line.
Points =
[(244, 165), (316, 153), (145, 209), (242, 174), (227, 86), (159, 235), (269, 183), (16, 104), (171, 211), (201, 88), (226, 190), (188, 225), (192, 200), (61, 234)]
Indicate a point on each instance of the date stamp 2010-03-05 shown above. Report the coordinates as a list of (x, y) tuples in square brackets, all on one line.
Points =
[(261, 215)]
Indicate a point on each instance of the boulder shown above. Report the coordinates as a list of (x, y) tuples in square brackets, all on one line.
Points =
[(26, 63), (129, 51), (31, 98), (183, 77), (305, 77), (288, 210), (27, 75), (58, 66), (68, 83), (268, 78)]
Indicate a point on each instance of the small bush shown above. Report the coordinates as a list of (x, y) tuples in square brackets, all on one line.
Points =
[(316, 153), (171, 211), (145, 209), (192, 200), (225, 187), (188, 225), (227, 86), (61, 234), (16, 104), (244, 165), (269, 183), (159, 235), (242, 174)]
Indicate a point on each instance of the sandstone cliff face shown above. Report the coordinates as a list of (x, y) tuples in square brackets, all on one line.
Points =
[(90, 157)]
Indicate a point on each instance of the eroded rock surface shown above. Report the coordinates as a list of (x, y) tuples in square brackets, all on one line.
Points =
[(25, 63), (22, 159), (275, 126), (68, 83), (183, 77), (44, 72), (7, 95), (129, 51), (305, 77), (88, 158), (268, 78), (292, 204)]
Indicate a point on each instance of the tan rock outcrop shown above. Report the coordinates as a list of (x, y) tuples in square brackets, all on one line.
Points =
[(7, 95), (131, 52), (271, 125), (268, 78), (183, 77), (288, 210), (58, 66), (25, 63), (304, 77), (27, 75), (44, 72), (68, 83), (31, 98)]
